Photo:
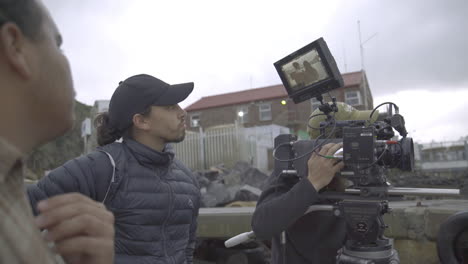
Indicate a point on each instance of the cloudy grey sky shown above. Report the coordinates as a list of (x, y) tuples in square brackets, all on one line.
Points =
[(416, 55)]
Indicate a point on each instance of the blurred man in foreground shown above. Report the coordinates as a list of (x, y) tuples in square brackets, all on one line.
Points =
[(36, 106)]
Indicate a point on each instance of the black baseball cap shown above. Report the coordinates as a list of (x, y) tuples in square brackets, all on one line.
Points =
[(137, 93)]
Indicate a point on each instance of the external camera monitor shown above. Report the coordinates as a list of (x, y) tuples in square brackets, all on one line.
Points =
[(309, 72)]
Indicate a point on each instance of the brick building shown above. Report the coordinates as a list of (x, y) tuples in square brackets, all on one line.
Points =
[(271, 105)]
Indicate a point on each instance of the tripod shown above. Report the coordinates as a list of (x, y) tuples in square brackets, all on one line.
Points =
[(366, 243)]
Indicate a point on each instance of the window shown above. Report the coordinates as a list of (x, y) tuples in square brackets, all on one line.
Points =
[(353, 98), (451, 155), (265, 112), (243, 114), (461, 155), (195, 120), (439, 156), (426, 156), (314, 103)]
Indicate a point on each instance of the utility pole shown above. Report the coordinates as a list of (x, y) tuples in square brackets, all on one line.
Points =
[(363, 69), (361, 44), (344, 59)]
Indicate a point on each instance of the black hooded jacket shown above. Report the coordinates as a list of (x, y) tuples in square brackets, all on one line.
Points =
[(312, 238)]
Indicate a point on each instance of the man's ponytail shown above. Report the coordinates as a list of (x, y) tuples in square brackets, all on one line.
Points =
[(105, 133)]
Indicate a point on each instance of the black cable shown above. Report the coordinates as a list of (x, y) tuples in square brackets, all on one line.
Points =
[(325, 141), (280, 145), (327, 138), (375, 109), (312, 116), (375, 162), (293, 159), (313, 149)]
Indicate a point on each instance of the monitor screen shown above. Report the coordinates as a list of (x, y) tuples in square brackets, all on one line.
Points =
[(304, 70), (309, 72)]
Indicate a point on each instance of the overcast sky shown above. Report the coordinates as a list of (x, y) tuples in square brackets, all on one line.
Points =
[(414, 52)]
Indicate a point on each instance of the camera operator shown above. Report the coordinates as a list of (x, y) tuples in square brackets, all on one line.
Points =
[(297, 237)]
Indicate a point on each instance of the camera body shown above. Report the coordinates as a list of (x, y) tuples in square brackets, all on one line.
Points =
[(368, 150), (360, 152), (363, 148)]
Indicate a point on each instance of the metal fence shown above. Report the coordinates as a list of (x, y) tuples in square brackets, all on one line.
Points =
[(225, 144)]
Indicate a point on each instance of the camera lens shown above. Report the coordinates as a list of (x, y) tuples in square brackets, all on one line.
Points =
[(399, 155), (407, 154)]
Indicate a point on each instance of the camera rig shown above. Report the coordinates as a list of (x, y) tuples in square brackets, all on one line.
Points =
[(369, 149)]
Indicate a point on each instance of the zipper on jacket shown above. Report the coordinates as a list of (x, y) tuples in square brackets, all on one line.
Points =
[(113, 176), (171, 204)]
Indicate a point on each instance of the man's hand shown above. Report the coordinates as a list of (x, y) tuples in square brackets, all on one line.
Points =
[(322, 170), (82, 229)]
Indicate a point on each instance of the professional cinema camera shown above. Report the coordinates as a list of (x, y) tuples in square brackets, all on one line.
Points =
[(370, 149)]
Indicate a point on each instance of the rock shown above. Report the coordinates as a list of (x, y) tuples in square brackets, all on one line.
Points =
[(219, 194), (211, 175), (203, 182), (222, 186), (243, 174)]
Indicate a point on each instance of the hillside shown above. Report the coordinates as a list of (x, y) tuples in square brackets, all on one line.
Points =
[(62, 149)]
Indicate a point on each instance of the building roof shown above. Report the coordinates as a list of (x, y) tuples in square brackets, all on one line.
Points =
[(443, 145), (258, 94)]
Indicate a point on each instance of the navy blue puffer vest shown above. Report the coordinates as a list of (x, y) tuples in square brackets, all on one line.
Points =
[(155, 201)]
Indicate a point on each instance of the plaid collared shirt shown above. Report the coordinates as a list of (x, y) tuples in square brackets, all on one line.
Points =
[(20, 239)]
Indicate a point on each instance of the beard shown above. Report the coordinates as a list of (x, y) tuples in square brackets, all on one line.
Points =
[(178, 139)]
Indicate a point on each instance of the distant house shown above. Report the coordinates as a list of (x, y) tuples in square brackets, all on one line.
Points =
[(271, 105), (442, 158), (101, 106)]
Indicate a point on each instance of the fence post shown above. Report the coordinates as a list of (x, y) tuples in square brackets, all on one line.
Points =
[(202, 147), (237, 145), (466, 150)]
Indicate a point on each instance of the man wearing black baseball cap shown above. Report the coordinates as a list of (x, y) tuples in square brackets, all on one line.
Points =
[(137, 93), (154, 197)]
